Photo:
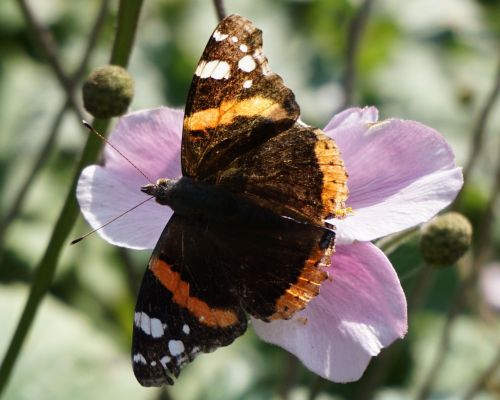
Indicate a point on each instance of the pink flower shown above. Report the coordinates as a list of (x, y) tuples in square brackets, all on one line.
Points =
[(401, 173), (489, 282)]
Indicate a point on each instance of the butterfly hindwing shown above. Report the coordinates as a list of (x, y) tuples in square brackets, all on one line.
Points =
[(235, 101), (276, 265), (298, 173), (205, 273), (173, 323)]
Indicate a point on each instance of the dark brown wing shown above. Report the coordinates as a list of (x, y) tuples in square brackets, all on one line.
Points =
[(181, 310), (240, 131), (298, 173), (204, 274), (235, 102), (276, 264)]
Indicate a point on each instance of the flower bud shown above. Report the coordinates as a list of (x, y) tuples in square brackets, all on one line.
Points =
[(108, 91), (445, 239)]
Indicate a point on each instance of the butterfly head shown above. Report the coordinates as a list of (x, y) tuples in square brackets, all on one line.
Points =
[(160, 190)]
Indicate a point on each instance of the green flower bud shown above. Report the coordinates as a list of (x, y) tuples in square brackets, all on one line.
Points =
[(108, 91), (445, 239)]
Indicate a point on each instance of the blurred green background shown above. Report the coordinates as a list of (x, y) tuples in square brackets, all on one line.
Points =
[(432, 61)]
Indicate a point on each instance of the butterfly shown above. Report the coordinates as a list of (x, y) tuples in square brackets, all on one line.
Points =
[(248, 235)]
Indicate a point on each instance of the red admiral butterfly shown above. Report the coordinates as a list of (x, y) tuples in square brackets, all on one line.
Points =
[(248, 235)]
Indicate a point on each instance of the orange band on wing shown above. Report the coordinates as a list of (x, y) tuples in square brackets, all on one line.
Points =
[(230, 109), (335, 192), (214, 317), (307, 286)]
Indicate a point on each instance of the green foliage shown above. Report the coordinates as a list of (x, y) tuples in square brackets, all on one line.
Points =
[(66, 356)]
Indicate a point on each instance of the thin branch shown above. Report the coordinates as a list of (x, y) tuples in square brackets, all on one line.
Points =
[(164, 394), (480, 127), (378, 372), (423, 283), (483, 379), (44, 39), (444, 342), (289, 376), (20, 197), (220, 9), (315, 388), (389, 244), (44, 273), (91, 43), (44, 153), (484, 238), (354, 35), (483, 235)]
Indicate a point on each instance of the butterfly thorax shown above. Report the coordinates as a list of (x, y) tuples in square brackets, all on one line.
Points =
[(194, 199)]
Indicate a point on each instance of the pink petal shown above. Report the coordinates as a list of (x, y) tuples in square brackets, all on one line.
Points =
[(489, 285), (401, 173), (360, 311), (151, 139), (104, 194), (352, 116)]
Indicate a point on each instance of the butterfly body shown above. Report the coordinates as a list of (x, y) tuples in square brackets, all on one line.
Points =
[(201, 200), (248, 234)]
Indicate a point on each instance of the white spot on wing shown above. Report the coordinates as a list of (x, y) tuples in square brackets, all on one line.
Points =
[(218, 36), (139, 358), (247, 64), (243, 48), (208, 69), (234, 39), (156, 328), (221, 70), (164, 361), (200, 67), (145, 323), (215, 69), (247, 84), (137, 319), (186, 329), (153, 363), (175, 347)]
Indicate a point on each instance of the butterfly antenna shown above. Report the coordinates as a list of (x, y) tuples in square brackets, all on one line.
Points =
[(109, 222), (93, 130)]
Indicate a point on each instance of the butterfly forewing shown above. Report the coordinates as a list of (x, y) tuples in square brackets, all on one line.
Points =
[(298, 173), (235, 102)]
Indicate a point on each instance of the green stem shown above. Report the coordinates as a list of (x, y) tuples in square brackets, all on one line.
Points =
[(390, 243), (128, 15)]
